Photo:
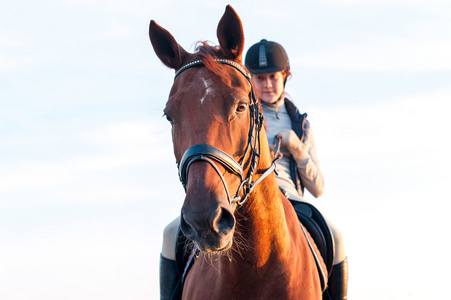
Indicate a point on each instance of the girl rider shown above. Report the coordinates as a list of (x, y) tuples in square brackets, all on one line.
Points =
[(299, 167)]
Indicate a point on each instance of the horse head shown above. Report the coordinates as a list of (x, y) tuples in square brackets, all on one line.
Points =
[(213, 115)]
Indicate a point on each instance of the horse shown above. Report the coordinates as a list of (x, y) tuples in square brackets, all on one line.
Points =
[(250, 242)]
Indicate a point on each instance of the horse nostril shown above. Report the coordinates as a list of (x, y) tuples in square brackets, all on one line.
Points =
[(187, 228), (223, 222)]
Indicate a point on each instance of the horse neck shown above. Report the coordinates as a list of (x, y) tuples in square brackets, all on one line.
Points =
[(266, 221)]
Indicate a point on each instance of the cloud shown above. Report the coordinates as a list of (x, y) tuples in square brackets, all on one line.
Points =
[(115, 146), (71, 33), (381, 53), (395, 149)]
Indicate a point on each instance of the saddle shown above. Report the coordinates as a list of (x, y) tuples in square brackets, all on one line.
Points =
[(316, 225)]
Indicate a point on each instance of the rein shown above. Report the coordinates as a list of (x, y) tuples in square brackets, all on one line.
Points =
[(213, 155)]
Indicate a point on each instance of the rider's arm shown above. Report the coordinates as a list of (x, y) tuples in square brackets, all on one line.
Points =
[(306, 160)]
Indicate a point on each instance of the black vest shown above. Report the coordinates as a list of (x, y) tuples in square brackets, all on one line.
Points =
[(299, 125)]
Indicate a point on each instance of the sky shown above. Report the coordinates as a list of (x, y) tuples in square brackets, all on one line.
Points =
[(88, 179)]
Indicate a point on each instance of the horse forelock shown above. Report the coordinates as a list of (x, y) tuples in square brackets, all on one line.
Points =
[(207, 54)]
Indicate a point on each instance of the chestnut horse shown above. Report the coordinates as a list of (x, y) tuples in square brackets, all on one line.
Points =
[(251, 243)]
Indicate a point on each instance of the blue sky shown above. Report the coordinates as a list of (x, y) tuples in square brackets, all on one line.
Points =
[(87, 176)]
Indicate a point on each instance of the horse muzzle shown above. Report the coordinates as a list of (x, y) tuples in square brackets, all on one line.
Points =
[(210, 232)]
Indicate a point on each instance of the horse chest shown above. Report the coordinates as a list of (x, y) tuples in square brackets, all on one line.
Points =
[(211, 280)]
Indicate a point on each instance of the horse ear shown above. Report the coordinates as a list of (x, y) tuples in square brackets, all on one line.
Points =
[(230, 34), (166, 47)]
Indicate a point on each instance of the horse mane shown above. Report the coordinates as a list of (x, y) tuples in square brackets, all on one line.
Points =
[(207, 54)]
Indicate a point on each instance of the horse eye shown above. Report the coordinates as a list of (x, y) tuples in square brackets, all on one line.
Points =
[(241, 107), (169, 119)]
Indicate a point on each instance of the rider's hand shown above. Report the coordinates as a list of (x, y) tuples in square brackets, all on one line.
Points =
[(290, 140)]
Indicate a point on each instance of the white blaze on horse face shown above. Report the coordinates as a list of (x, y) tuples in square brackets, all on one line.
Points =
[(208, 89)]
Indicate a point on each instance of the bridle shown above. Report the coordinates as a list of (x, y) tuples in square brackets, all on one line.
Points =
[(213, 155)]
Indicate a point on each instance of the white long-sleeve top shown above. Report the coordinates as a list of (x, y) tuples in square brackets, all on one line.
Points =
[(277, 119)]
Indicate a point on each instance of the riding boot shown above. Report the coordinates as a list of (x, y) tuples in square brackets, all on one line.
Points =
[(168, 277), (338, 281)]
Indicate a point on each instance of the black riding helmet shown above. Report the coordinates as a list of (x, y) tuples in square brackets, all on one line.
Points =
[(266, 57)]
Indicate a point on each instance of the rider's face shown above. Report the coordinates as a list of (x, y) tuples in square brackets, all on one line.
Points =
[(269, 86)]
